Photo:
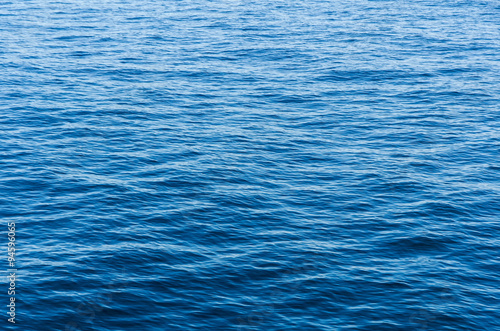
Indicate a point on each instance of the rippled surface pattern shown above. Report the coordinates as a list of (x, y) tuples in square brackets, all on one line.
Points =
[(252, 165)]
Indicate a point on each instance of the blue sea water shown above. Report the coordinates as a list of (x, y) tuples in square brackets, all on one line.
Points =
[(251, 165)]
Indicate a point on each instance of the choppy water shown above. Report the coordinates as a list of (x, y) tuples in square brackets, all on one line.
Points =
[(251, 165)]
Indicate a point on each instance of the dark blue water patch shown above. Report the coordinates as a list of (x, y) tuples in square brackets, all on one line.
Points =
[(376, 75)]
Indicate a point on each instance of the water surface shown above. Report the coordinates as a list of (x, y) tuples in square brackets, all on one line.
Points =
[(252, 165)]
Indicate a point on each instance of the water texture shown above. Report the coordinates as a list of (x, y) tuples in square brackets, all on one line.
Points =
[(251, 165)]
